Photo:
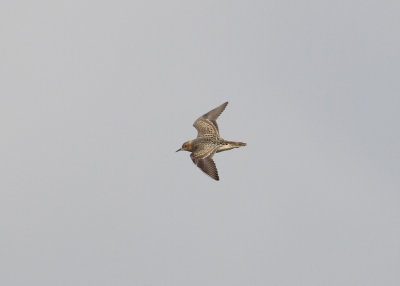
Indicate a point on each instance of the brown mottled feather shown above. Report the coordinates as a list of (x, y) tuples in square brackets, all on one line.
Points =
[(207, 124), (207, 149), (213, 114), (207, 165), (205, 127)]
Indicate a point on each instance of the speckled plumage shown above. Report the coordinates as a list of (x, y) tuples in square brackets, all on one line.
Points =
[(208, 142)]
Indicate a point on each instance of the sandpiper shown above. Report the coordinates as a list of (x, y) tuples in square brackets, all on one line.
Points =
[(208, 142)]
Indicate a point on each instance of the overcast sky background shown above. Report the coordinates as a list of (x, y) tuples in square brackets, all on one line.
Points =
[(96, 96)]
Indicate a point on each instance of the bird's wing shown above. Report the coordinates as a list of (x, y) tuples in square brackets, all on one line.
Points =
[(206, 127), (207, 124), (207, 165), (207, 149)]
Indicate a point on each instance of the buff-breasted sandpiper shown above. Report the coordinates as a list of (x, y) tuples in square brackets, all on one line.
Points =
[(208, 142)]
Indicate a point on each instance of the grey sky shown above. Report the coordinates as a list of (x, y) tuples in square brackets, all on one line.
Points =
[(96, 96)]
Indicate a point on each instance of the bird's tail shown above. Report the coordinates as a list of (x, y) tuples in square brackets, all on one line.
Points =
[(236, 144), (230, 145)]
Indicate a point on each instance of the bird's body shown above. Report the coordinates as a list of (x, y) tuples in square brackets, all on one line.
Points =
[(202, 143), (208, 142)]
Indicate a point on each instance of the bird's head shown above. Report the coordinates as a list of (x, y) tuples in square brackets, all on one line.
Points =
[(187, 146)]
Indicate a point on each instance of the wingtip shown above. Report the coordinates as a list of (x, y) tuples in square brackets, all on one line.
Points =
[(215, 178)]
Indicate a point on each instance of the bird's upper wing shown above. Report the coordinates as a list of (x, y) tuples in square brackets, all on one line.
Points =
[(207, 165), (207, 124)]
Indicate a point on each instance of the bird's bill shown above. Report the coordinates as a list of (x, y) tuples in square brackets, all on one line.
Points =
[(180, 149)]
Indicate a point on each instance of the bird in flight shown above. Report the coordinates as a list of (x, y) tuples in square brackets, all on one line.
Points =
[(208, 142)]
